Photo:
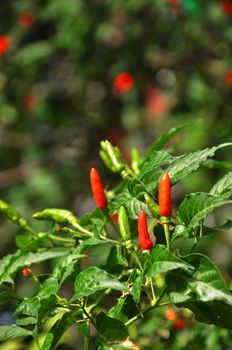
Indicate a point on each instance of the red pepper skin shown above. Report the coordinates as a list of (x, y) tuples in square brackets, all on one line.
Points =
[(178, 324), (123, 82), (4, 43), (114, 218), (26, 272), (145, 242), (98, 189), (165, 202)]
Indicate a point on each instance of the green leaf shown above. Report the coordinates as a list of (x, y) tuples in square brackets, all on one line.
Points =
[(111, 329), (57, 331), (9, 332), (49, 287), (202, 290), (19, 260), (179, 231), (115, 258), (185, 165), (94, 221), (223, 187), (25, 321), (197, 206), (67, 264), (94, 279), (155, 160), (162, 260), (162, 140), (28, 306), (132, 198), (6, 294), (137, 288)]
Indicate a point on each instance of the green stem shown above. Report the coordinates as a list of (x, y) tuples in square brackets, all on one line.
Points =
[(142, 314), (99, 300), (167, 235), (86, 339), (82, 229), (152, 290), (60, 239), (134, 254)]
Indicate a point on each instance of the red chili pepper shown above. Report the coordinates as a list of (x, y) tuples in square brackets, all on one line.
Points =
[(4, 43), (114, 218), (229, 78), (98, 189), (170, 314), (145, 242), (178, 324), (26, 19), (26, 272), (30, 101), (123, 82), (226, 6), (165, 202)]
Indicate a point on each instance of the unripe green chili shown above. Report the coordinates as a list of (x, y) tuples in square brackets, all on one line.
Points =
[(114, 155), (13, 215), (124, 227), (63, 216), (152, 205), (107, 161), (59, 215), (136, 158)]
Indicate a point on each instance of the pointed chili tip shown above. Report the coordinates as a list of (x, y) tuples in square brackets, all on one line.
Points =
[(165, 176)]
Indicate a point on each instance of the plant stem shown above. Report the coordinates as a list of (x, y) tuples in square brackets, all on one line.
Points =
[(86, 339), (134, 254), (101, 297), (167, 235), (152, 290), (155, 304)]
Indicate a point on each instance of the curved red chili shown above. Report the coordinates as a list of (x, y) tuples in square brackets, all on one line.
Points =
[(98, 189), (165, 202), (145, 242)]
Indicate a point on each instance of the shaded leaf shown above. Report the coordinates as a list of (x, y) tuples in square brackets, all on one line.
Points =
[(162, 260), (9, 332), (163, 139), (94, 279), (223, 187), (197, 206), (202, 290), (110, 329), (185, 165)]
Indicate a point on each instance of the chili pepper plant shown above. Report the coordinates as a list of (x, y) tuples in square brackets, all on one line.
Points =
[(139, 225)]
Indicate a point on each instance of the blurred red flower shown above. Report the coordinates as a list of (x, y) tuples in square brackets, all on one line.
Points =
[(123, 82), (229, 78), (226, 6), (26, 19), (4, 43)]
